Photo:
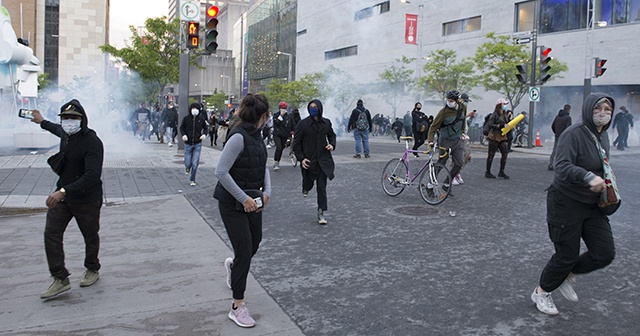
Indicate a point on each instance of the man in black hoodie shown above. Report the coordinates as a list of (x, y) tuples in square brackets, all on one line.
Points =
[(560, 123), (572, 205), (313, 143), (193, 129), (78, 195)]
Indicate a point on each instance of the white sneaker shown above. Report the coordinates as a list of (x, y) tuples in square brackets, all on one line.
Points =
[(455, 181), (192, 183), (544, 303), (458, 179), (268, 146), (241, 316), (228, 264), (170, 145), (566, 289), (276, 166)]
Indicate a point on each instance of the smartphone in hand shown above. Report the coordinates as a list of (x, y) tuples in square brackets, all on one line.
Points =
[(25, 113)]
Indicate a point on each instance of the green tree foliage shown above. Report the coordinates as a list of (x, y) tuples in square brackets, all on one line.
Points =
[(216, 101), (296, 93), (395, 82), (445, 73), (497, 59), (155, 56)]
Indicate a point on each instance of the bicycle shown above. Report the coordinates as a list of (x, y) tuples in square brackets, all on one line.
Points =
[(435, 179), (521, 138), (292, 155)]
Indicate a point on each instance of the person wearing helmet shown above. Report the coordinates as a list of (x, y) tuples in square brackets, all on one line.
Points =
[(282, 128), (450, 125), (497, 141)]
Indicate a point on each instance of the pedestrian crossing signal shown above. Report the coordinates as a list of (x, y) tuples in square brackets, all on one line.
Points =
[(193, 35), (600, 67)]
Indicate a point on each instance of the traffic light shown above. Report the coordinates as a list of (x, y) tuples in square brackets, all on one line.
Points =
[(523, 73), (211, 33), (193, 34), (599, 67), (544, 65)]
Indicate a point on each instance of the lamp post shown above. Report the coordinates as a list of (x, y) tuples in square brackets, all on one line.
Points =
[(290, 63), (420, 33)]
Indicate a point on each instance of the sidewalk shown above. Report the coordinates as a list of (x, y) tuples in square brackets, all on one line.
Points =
[(162, 265)]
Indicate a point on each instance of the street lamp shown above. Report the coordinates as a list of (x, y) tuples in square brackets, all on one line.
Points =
[(290, 63)]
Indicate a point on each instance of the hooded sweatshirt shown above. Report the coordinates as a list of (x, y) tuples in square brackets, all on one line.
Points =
[(81, 176), (577, 160), (561, 122), (312, 135)]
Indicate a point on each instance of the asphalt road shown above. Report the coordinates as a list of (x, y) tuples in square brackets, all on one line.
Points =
[(397, 266)]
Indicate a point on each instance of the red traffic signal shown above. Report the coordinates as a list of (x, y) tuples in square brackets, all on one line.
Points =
[(545, 58), (193, 34), (599, 71), (211, 33)]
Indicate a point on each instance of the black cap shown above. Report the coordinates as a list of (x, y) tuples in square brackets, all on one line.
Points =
[(70, 109), (465, 97)]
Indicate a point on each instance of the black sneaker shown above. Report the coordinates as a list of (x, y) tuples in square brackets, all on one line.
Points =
[(416, 155), (489, 175), (367, 156), (357, 156), (550, 168), (503, 175), (187, 170)]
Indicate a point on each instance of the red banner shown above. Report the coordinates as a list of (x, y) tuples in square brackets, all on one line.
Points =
[(411, 29)]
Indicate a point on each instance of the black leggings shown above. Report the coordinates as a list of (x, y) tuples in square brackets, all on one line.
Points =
[(494, 146), (281, 142), (245, 233), (418, 139)]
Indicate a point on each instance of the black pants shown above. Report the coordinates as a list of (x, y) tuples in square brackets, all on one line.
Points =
[(87, 216), (245, 233), (621, 140), (213, 136), (494, 146), (553, 152), (398, 134), (419, 138), (281, 142), (568, 221), (321, 180)]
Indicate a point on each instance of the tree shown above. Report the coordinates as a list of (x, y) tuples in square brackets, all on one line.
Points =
[(216, 101), (296, 93), (497, 60), (445, 73), (155, 56), (395, 80)]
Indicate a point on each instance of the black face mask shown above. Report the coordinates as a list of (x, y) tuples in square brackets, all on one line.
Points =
[(418, 108)]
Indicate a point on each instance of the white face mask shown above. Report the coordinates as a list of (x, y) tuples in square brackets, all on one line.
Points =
[(601, 119), (194, 112), (71, 126), (452, 105)]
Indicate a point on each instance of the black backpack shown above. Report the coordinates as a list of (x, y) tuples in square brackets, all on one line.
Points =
[(486, 126)]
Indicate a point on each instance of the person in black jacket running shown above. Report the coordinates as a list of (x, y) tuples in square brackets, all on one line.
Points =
[(78, 195), (193, 129)]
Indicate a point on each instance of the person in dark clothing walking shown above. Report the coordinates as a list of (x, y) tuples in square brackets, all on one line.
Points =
[(193, 129), (213, 129), (361, 124), (170, 121), (419, 126), (497, 120), (242, 169), (560, 123), (407, 122), (78, 195), (572, 205), (622, 122), (313, 143), (397, 127), (283, 126)]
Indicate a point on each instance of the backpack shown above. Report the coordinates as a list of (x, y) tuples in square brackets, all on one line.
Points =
[(362, 123), (486, 126)]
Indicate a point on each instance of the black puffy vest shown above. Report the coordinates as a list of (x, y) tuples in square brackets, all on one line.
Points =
[(248, 170)]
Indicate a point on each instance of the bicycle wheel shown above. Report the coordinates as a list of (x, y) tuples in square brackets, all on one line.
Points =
[(294, 161), (435, 184), (394, 177)]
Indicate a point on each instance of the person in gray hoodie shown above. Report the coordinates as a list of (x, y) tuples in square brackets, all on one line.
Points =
[(572, 205)]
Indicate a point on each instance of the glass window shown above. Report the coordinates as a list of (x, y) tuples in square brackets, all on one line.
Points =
[(462, 26), (364, 13), (343, 52), (619, 11), (524, 19), (384, 6), (634, 10)]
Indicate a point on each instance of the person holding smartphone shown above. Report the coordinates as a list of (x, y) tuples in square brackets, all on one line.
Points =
[(243, 179)]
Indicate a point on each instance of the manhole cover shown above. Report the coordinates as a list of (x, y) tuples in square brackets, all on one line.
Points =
[(417, 211)]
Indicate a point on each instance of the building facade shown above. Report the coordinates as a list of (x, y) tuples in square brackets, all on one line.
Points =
[(364, 37)]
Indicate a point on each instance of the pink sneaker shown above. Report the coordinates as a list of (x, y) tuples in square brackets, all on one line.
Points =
[(241, 316)]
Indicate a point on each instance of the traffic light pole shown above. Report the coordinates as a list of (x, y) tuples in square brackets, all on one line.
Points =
[(183, 93), (532, 77)]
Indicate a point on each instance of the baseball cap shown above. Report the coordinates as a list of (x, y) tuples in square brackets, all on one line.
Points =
[(465, 97), (70, 109), (502, 101)]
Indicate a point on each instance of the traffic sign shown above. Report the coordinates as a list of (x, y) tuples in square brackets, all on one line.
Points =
[(534, 94), (523, 40), (189, 11), (520, 34)]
